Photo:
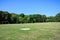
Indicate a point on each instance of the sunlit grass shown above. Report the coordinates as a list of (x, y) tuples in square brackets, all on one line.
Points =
[(38, 31)]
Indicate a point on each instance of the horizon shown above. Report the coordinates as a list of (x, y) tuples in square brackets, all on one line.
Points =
[(43, 7)]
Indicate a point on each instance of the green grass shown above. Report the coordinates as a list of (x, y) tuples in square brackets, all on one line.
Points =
[(39, 31)]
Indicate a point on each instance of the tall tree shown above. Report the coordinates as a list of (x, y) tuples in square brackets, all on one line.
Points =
[(22, 15), (58, 17), (44, 18)]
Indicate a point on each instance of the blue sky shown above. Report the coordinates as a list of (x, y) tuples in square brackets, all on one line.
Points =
[(46, 7)]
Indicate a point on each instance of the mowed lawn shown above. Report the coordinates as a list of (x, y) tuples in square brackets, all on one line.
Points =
[(38, 31)]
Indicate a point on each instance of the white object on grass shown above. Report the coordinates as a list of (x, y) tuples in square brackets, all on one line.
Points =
[(25, 28)]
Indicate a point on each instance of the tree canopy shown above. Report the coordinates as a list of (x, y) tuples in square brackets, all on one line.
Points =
[(22, 18)]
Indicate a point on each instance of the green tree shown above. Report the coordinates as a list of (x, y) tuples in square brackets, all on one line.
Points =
[(44, 18), (13, 18), (51, 19), (22, 15), (1, 16), (37, 18), (57, 17), (20, 19)]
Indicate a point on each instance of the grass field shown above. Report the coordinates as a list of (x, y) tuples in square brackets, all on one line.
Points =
[(38, 31)]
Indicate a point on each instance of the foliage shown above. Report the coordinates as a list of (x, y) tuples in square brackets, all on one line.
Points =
[(51, 19), (22, 18), (58, 17)]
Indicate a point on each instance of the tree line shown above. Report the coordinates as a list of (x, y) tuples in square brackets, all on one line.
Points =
[(6, 17)]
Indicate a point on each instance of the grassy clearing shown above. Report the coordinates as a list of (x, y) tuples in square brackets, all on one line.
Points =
[(39, 31)]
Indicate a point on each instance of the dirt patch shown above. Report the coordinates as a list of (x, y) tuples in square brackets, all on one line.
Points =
[(25, 29)]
